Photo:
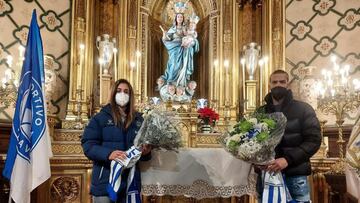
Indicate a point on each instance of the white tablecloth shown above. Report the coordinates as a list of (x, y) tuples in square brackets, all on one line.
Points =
[(352, 183), (197, 172)]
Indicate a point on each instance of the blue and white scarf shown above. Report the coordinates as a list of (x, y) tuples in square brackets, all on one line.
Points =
[(117, 167), (275, 190)]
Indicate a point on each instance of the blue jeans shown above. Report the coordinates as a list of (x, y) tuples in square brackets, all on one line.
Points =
[(298, 187), (101, 199), (106, 199)]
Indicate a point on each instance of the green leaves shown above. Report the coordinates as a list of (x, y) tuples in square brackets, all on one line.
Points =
[(270, 122), (262, 136)]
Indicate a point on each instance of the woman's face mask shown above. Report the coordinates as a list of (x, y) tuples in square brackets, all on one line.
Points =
[(122, 99)]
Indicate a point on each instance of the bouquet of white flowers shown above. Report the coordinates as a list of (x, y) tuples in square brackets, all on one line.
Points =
[(159, 130), (254, 139)]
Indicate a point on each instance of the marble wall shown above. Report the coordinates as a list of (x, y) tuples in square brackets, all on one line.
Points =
[(315, 31), (54, 19)]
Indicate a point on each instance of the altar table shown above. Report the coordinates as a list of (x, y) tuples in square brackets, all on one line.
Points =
[(198, 173)]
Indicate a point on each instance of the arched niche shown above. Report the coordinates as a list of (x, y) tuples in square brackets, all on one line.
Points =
[(155, 59)]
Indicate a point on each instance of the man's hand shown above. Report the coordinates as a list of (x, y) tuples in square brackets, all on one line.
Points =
[(277, 165), (117, 154), (145, 149)]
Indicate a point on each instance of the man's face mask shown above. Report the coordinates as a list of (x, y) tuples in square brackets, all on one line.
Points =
[(279, 93)]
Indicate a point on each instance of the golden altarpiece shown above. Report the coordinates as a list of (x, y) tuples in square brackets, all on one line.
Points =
[(225, 27)]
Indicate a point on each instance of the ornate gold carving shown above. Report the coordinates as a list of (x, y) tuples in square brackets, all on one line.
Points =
[(67, 135), (67, 149), (132, 32), (322, 165), (277, 34), (227, 36), (208, 140), (69, 124), (65, 189)]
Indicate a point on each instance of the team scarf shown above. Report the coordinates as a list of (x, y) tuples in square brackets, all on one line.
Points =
[(117, 168), (275, 190)]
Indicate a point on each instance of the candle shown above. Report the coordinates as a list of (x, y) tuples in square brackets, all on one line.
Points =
[(216, 64), (242, 61), (100, 79), (261, 63), (266, 73), (115, 64), (80, 71), (132, 67), (227, 80), (138, 66), (9, 60)]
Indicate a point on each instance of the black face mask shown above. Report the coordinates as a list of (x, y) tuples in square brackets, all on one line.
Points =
[(279, 93)]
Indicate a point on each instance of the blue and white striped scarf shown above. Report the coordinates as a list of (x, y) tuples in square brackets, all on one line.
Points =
[(117, 167), (275, 190)]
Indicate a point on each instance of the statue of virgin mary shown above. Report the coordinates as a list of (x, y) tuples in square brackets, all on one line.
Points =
[(180, 65)]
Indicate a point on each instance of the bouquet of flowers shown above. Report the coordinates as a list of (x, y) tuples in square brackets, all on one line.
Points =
[(208, 116), (254, 139), (160, 130)]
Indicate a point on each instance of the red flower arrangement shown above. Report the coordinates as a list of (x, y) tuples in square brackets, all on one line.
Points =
[(208, 116)]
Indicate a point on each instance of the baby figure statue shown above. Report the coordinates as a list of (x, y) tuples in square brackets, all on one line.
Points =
[(190, 35)]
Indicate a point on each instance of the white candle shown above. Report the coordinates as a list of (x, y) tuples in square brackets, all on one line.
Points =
[(100, 80), (266, 73), (80, 71), (261, 63), (216, 64), (115, 64), (132, 67), (243, 73), (138, 66)]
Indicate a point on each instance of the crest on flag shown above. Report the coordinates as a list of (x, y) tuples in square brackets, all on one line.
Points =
[(27, 136)]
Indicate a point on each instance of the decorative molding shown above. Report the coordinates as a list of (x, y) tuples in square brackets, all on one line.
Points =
[(67, 149)]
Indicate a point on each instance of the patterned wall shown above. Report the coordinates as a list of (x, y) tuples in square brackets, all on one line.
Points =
[(54, 18), (316, 30)]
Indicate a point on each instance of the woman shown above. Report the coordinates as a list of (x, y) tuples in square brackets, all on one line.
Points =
[(109, 134), (180, 57)]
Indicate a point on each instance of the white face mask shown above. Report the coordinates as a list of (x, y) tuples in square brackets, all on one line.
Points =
[(122, 99)]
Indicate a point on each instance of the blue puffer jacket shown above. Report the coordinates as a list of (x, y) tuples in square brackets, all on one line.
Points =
[(100, 138)]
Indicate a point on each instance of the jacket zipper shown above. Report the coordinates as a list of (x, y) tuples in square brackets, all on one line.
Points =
[(101, 171)]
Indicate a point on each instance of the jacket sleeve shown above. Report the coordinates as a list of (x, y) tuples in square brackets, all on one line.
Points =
[(91, 142), (310, 131)]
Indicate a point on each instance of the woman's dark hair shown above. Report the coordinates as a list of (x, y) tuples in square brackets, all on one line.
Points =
[(183, 22), (130, 107)]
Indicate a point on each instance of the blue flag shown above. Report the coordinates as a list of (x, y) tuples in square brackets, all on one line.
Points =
[(27, 162)]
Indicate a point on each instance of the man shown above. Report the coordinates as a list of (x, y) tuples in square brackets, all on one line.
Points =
[(301, 139)]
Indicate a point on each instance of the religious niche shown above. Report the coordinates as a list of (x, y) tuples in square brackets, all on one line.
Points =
[(181, 43)]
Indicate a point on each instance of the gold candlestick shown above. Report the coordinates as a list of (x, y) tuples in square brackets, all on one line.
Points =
[(322, 152)]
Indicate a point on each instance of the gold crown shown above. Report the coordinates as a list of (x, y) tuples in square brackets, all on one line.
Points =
[(180, 7)]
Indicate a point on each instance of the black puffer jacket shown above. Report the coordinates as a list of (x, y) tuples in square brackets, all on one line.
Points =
[(302, 136)]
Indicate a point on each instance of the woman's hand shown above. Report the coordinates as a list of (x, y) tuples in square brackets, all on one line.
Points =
[(117, 154), (145, 149)]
